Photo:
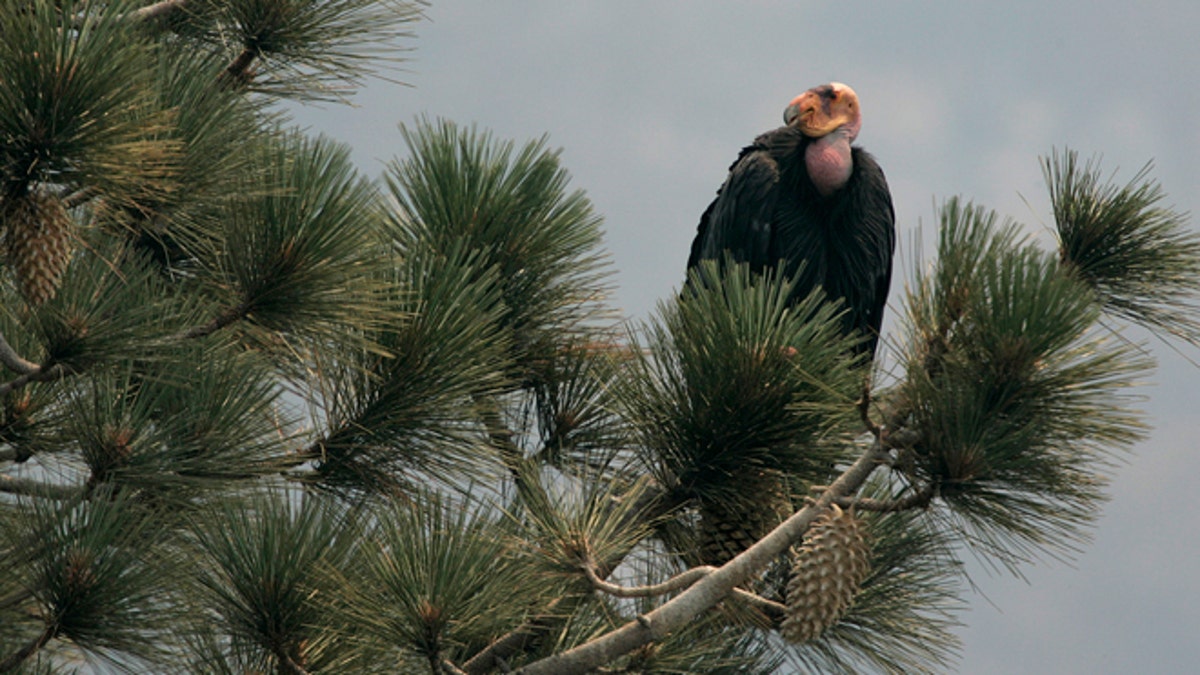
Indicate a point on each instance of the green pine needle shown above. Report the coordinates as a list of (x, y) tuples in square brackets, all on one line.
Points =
[(596, 522), (77, 108), (177, 434), (1020, 401), (397, 420), (461, 187), (262, 571), (574, 399), (98, 573), (731, 379), (306, 49), (111, 303), (1122, 241), (440, 575), (303, 251)]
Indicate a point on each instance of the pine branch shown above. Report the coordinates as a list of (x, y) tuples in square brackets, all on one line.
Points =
[(500, 435), (15, 660), (686, 607)]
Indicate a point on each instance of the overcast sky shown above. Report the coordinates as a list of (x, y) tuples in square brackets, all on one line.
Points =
[(650, 102)]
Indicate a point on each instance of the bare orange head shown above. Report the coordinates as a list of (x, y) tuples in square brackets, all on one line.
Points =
[(825, 109)]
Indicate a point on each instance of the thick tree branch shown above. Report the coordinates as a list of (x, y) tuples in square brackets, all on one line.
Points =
[(24, 486), (157, 9), (684, 608)]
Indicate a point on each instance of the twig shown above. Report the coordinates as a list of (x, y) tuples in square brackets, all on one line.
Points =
[(775, 611), (14, 361), (682, 580), (15, 660), (864, 411), (226, 318), (684, 608), (42, 374), (237, 70), (505, 646), (919, 499), (288, 664), (449, 667)]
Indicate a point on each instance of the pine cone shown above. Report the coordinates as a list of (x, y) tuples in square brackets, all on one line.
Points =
[(732, 525), (830, 566), (37, 243)]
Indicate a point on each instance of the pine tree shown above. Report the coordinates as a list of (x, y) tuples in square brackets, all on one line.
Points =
[(259, 413)]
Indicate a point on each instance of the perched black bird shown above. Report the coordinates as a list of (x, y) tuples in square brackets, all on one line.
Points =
[(802, 194)]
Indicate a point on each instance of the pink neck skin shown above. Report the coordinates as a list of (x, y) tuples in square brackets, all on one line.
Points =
[(828, 160)]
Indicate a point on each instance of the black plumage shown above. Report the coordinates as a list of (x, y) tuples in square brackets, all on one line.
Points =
[(770, 210)]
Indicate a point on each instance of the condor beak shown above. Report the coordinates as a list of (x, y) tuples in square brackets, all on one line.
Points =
[(804, 104)]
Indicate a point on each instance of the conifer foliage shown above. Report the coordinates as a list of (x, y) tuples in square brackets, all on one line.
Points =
[(260, 413)]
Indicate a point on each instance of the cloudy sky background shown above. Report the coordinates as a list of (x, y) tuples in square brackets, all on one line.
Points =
[(651, 101)]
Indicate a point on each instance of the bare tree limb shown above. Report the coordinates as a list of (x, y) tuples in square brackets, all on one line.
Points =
[(684, 608), (24, 486), (157, 9)]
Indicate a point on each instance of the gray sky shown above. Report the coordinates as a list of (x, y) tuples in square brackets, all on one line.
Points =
[(651, 102)]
